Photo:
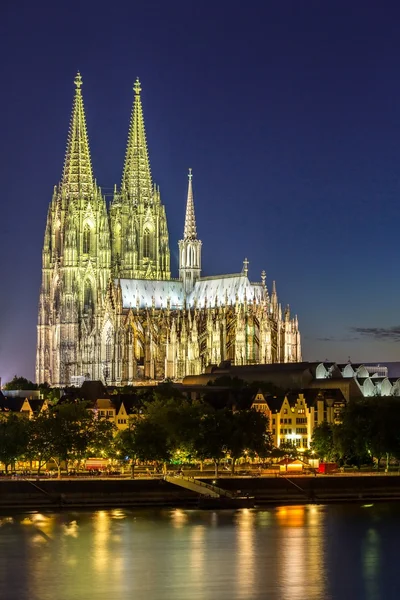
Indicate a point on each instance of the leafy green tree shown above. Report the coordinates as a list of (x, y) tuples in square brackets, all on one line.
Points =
[(48, 393), (322, 442), (352, 439), (71, 432), (13, 438), (20, 383), (248, 433), (39, 445), (213, 436), (143, 441)]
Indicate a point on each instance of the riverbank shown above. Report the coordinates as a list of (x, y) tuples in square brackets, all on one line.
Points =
[(108, 493)]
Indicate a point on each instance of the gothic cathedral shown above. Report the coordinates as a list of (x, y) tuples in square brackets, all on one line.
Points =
[(108, 307)]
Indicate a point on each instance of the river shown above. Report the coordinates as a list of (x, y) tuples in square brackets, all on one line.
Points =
[(346, 552)]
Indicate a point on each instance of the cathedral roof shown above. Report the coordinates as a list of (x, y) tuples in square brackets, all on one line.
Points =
[(208, 291), (144, 292), (224, 289)]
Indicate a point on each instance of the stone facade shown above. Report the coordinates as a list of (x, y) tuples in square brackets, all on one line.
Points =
[(108, 308)]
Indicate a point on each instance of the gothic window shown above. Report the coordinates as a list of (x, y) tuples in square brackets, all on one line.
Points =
[(108, 347), (86, 239), (117, 242), (58, 238), (88, 297), (146, 243)]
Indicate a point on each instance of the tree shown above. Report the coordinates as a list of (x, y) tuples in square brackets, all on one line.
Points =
[(145, 441), (13, 438), (352, 438), (213, 436), (20, 383), (39, 445), (72, 430), (248, 433), (322, 441)]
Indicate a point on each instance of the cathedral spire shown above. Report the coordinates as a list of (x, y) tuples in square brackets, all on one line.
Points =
[(77, 178), (136, 178), (190, 246), (190, 232)]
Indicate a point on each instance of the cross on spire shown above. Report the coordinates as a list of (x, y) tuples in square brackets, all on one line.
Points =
[(137, 87), (78, 81)]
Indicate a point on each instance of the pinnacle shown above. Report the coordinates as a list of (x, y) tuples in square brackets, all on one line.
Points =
[(136, 87), (78, 81), (136, 178), (190, 232), (77, 178)]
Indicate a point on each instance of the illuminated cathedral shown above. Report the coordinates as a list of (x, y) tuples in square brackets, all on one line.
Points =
[(108, 307)]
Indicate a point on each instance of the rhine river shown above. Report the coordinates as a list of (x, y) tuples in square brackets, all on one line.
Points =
[(345, 552)]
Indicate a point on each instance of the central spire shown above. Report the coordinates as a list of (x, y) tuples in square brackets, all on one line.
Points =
[(77, 178), (136, 178), (190, 232)]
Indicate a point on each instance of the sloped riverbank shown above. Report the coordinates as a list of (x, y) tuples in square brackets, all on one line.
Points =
[(80, 493)]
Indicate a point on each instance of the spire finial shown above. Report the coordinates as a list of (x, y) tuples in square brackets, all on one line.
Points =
[(190, 232), (245, 267), (263, 277), (137, 87), (78, 81)]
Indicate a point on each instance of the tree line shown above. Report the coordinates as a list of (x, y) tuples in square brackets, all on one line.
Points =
[(166, 430), (369, 432)]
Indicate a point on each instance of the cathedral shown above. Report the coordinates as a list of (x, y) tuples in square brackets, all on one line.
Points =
[(109, 308)]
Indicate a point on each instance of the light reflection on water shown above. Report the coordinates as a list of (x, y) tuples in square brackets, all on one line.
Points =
[(292, 552)]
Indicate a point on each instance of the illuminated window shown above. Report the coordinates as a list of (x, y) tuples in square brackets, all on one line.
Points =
[(86, 239), (88, 297), (146, 243)]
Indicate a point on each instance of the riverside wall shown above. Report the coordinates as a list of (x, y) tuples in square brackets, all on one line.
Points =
[(112, 493)]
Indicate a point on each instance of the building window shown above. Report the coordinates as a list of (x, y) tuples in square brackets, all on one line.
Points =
[(88, 297), (86, 239), (108, 347), (146, 243)]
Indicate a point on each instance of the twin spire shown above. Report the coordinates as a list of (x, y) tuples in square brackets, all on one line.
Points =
[(136, 178), (77, 178)]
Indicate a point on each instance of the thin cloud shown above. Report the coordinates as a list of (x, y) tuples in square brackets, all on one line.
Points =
[(383, 334)]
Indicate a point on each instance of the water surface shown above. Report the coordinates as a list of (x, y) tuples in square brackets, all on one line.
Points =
[(284, 553)]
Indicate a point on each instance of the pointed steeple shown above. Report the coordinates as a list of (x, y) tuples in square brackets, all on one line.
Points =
[(136, 178), (190, 246), (77, 178), (190, 232)]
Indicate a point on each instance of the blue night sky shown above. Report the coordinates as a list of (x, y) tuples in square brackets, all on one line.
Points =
[(288, 113)]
